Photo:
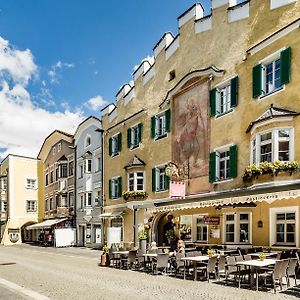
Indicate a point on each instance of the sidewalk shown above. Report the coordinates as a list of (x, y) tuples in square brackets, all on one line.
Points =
[(7, 294)]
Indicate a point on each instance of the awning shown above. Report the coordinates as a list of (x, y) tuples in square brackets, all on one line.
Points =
[(45, 224), (113, 214), (267, 197)]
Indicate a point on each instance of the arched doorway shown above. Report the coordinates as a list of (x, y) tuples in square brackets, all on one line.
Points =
[(29, 236)]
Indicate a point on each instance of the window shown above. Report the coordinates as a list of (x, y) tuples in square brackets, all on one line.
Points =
[(88, 199), (47, 179), (51, 177), (87, 141), (59, 147), (63, 201), (115, 188), (223, 98), (285, 228), (71, 168), (118, 222), (115, 144), (56, 174), (160, 181), (81, 201), (31, 205), (201, 229), (71, 199), (3, 183), (237, 228), (63, 171), (98, 164), (51, 203), (54, 151), (3, 206), (160, 125), (30, 183), (47, 205), (223, 164), (172, 75), (272, 73), (88, 165), (136, 181), (98, 198), (80, 172), (273, 145), (134, 136)]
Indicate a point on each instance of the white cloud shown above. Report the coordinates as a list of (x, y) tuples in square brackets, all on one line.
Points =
[(53, 73), (95, 103), (24, 125), (148, 58)]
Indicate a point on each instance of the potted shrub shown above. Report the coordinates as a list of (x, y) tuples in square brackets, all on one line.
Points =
[(170, 236), (211, 252), (104, 256), (143, 236), (262, 256)]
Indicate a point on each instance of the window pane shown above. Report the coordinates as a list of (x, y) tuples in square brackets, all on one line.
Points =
[(280, 237), (266, 136), (266, 153), (244, 217), (280, 216), (284, 133), (290, 238), (229, 217), (290, 216), (244, 233), (283, 153)]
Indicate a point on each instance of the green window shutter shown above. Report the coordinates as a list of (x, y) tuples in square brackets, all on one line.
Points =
[(167, 182), (233, 151), (213, 94), (154, 180), (110, 146), (119, 186), (119, 142), (109, 188), (140, 132), (168, 120), (153, 125), (234, 86), (212, 167), (256, 81), (285, 66), (129, 137)]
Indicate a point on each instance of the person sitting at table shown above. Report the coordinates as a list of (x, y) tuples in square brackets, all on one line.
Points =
[(153, 248), (180, 249)]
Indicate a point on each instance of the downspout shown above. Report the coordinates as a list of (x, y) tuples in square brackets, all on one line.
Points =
[(75, 192), (135, 227)]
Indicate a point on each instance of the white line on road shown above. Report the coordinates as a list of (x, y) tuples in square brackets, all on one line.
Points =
[(19, 289)]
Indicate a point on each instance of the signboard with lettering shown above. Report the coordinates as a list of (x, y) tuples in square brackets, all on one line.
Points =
[(209, 220)]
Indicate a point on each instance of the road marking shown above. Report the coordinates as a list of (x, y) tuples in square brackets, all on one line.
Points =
[(21, 290)]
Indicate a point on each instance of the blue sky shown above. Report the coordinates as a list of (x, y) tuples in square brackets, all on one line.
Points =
[(61, 60)]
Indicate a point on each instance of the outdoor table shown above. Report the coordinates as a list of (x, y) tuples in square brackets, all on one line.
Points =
[(121, 254), (195, 259), (267, 254), (256, 265)]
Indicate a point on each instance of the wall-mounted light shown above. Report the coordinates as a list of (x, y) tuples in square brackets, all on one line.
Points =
[(260, 224)]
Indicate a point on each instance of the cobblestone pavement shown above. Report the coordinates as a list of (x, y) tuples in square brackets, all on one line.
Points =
[(73, 273)]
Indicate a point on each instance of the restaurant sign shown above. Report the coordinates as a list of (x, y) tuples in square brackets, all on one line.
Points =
[(209, 220)]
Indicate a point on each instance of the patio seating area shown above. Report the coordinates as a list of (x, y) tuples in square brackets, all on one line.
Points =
[(251, 268)]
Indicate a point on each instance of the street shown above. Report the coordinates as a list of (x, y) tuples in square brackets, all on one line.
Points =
[(30, 272)]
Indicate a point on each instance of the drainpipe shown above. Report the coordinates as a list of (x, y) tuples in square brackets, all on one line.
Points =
[(135, 227)]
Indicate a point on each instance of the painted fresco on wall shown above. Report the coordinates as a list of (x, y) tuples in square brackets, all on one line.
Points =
[(191, 126)]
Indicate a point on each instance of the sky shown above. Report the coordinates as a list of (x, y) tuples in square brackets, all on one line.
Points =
[(62, 60)]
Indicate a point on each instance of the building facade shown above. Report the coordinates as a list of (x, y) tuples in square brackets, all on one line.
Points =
[(58, 157), (21, 204), (219, 101), (88, 144)]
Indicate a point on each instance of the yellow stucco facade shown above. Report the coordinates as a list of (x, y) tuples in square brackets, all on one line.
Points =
[(209, 52), (24, 202)]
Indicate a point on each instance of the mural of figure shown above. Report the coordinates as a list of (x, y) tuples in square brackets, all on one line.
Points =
[(191, 136)]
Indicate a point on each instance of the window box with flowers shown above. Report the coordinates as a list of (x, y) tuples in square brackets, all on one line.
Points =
[(134, 195), (253, 171)]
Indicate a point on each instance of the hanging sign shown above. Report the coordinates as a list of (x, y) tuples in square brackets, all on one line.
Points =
[(177, 189), (209, 220)]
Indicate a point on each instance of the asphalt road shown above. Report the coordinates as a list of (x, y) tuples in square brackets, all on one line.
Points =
[(28, 272)]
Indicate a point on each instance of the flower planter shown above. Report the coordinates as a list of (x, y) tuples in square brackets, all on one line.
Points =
[(143, 245), (104, 260)]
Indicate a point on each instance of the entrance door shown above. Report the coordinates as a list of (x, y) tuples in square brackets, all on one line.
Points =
[(98, 236)]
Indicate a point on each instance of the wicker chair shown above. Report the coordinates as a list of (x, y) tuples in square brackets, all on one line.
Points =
[(292, 270), (162, 262)]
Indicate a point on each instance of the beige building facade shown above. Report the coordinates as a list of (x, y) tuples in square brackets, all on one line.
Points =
[(20, 202), (220, 101)]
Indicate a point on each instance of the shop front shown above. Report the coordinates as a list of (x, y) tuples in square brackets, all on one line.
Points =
[(267, 217)]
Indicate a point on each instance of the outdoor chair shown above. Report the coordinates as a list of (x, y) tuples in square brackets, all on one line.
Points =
[(292, 270), (140, 258), (114, 259), (276, 274), (251, 250), (161, 263), (211, 267), (180, 265), (247, 257), (221, 266), (258, 249), (130, 260), (197, 253), (231, 269)]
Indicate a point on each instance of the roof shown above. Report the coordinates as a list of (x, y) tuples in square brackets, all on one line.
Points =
[(135, 162), (271, 113), (45, 224)]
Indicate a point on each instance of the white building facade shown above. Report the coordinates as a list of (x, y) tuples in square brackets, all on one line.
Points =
[(88, 144)]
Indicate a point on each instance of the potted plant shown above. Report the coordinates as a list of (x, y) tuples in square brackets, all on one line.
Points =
[(104, 256), (170, 236), (262, 256), (211, 252), (143, 236)]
